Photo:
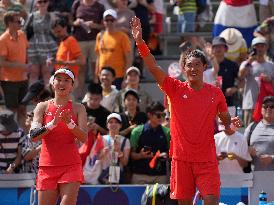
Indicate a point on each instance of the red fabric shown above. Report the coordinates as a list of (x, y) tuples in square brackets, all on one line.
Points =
[(84, 150), (238, 2), (191, 122), (266, 89), (153, 161), (58, 146), (186, 176), (49, 177)]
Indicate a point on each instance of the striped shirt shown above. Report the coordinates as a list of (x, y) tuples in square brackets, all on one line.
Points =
[(8, 148), (187, 6)]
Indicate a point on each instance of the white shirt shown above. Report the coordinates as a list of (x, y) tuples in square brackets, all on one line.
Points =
[(108, 101), (264, 2), (236, 144)]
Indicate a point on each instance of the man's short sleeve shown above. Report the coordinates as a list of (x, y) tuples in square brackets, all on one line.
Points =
[(126, 44), (4, 49), (170, 86), (75, 48), (134, 137), (222, 106)]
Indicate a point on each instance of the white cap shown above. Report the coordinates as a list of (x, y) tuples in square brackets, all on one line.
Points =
[(114, 115), (133, 68), (65, 71), (258, 40), (110, 12)]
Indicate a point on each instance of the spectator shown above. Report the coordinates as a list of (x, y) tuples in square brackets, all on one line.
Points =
[(69, 52), (87, 23), (255, 67), (10, 143), (42, 46), (116, 147), (262, 138), (237, 49), (266, 30), (142, 11), (266, 9), (232, 151), (8, 5), (30, 150), (14, 70), (145, 141), (124, 14), (158, 16), (132, 81), (36, 93), (186, 16), (107, 76), (131, 117), (97, 114), (228, 70), (113, 48)]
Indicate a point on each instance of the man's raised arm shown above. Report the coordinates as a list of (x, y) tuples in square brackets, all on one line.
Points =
[(144, 51)]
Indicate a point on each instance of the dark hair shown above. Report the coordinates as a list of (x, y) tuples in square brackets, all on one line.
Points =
[(196, 54), (9, 17), (110, 69), (95, 88), (133, 93), (154, 107), (60, 21)]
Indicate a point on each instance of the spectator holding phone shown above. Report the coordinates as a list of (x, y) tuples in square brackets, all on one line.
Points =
[(145, 141), (256, 67)]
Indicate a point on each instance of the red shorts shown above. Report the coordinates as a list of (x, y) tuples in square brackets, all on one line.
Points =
[(186, 176), (49, 177)]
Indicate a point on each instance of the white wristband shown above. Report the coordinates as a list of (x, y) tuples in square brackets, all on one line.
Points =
[(71, 125), (50, 125)]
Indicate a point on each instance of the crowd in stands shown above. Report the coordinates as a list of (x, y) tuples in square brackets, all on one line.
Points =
[(126, 127)]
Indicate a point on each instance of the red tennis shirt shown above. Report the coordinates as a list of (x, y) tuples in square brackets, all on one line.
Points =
[(192, 119)]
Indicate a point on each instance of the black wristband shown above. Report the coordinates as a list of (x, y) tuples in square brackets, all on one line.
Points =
[(37, 131)]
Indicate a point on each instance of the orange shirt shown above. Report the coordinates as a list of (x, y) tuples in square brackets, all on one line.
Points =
[(68, 50), (112, 49), (58, 146), (13, 50), (192, 119)]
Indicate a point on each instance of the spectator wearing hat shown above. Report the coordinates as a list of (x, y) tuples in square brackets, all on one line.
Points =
[(262, 138), (97, 114), (228, 70), (237, 48), (13, 65), (145, 141), (116, 147), (266, 30), (36, 93), (255, 68), (10, 143), (131, 117), (132, 81), (113, 48)]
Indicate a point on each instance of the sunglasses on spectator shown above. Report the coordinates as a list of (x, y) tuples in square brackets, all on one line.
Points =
[(160, 114), (43, 1), (268, 106), (109, 20)]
